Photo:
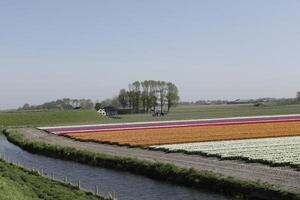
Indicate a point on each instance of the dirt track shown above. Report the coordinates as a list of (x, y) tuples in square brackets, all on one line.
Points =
[(285, 178)]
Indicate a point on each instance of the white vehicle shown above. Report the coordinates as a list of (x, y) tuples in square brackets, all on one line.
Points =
[(101, 112)]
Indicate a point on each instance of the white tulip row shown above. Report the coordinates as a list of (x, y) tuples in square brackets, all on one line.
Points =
[(276, 150)]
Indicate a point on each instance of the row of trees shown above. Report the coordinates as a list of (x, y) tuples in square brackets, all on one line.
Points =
[(148, 95), (62, 104), (141, 96)]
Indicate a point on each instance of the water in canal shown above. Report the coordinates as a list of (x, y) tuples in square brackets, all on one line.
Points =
[(126, 186)]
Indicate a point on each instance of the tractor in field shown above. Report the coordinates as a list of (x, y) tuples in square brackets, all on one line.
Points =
[(159, 113)]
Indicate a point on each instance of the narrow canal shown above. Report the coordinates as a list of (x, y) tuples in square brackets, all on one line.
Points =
[(124, 185)]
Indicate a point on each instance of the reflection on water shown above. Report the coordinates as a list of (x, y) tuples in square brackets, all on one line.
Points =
[(126, 186)]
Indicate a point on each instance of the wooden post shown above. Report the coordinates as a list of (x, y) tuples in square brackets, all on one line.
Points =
[(78, 183), (66, 179), (97, 190), (52, 175)]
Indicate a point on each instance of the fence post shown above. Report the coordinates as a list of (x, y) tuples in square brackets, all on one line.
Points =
[(97, 190)]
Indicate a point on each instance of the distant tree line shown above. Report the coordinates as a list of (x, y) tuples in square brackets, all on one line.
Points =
[(61, 104), (149, 95), (144, 96), (295, 100), (256, 102)]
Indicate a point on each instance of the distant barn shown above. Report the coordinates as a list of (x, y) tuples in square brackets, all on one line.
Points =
[(110, 110), (241, 101)]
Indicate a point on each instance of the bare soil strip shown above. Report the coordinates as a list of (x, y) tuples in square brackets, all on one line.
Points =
[(284, 177)]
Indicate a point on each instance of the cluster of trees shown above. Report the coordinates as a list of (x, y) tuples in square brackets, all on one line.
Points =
[(147, 95), (141, 96), (298, 96), (61, 104), (114, 102)]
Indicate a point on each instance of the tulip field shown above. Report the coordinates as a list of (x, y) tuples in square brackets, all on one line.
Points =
[(275, 150), (174, 132), (274, 139), (147, 137)]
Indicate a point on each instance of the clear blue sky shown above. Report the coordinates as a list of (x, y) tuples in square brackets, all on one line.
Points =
[(90, 49)]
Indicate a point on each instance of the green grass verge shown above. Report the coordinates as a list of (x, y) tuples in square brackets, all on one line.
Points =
[(240, 158), (160, 171), (50, 118), (19, 184)]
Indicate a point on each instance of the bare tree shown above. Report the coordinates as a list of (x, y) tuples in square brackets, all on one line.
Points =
[(145, 95), (162, 93), (136, 89), (148, 94), (172, 95), (123, 98)]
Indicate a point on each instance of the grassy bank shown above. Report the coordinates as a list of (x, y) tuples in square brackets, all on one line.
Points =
[(49, 118), (19, 184), (240, 158), (160, 171)]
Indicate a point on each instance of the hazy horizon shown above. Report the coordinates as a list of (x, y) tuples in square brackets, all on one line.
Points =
[(209, 49)]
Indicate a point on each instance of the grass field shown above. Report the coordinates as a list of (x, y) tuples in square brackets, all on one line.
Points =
[(50, 118), (19, 184)]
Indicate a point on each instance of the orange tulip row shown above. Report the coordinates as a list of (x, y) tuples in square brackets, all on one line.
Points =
[(149, 137)]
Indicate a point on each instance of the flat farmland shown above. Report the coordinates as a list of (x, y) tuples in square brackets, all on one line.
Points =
[(286, 177), (267, 139), (173, 132), (146, 137), (74, 117)]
